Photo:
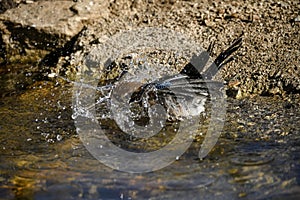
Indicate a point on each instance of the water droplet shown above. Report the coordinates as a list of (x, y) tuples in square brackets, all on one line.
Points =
[(74, 116), (52, 75), (50, 141), (45, 120), (77, 129), (59, 137), (46, 135)]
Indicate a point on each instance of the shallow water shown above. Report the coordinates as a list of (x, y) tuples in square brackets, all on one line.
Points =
[(256, 157)]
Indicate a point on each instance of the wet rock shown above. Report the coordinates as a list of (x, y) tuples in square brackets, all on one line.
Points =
[(32, 30)]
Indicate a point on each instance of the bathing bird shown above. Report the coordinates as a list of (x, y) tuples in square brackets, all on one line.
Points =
[(185, 93)]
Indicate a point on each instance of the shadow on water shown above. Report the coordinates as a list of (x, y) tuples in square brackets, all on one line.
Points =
[(257, 156)]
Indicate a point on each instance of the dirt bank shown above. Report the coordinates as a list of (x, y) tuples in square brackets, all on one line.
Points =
[(267, 64)]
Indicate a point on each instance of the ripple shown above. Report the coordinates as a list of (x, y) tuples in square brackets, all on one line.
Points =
[(252, 159), (195, 182)]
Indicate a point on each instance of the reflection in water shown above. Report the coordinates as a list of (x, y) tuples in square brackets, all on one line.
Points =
[(257, 156)]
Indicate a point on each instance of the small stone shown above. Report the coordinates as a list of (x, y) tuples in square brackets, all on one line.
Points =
[(242, 194), (250, 123)]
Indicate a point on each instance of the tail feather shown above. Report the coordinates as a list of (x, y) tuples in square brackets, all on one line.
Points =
[(222, 59)]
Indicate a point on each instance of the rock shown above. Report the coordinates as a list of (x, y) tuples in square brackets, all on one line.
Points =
[(32, 30)]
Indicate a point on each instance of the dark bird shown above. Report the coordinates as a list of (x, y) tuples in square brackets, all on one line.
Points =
[(185, 93)]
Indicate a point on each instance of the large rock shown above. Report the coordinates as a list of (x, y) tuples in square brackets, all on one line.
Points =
[(32, 30)]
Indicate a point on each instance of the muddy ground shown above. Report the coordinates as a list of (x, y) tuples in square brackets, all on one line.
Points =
[(267, 64)]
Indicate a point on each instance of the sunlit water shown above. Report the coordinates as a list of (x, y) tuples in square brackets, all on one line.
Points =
[(257, 156)]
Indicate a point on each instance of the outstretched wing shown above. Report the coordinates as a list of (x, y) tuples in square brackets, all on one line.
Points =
[(190, 81)]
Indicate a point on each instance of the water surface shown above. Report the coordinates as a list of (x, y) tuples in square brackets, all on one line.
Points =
[(257, 156)]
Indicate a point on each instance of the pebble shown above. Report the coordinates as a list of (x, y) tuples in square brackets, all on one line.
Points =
[(297, 19)]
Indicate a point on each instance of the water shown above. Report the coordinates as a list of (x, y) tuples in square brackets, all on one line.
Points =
[(256, 157)]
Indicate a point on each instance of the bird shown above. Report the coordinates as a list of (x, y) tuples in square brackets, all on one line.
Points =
[(183, 94)]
